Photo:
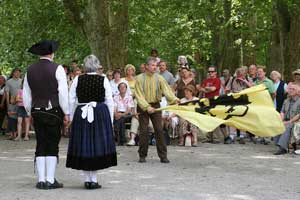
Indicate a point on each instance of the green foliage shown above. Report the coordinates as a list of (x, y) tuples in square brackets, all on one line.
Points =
[(173, 27), (24, 23), (184, 27)]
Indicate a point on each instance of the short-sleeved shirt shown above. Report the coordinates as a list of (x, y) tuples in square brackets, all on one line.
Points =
[(291, 108), (12, 86), (209, 82), (268, 83), (122, 104), (235, 85), (168, 77)]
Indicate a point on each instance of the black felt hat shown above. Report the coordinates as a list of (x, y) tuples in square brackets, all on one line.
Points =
[(44, 47)]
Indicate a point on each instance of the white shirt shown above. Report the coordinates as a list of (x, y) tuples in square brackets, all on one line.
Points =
[(61, 78), (73, 100)]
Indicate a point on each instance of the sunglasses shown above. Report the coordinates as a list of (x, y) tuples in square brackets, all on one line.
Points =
[(211, 71)]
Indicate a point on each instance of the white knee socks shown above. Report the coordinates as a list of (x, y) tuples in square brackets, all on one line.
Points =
[(87, 176), (51, 162), (90, 176), (93, 175), (41, 168)]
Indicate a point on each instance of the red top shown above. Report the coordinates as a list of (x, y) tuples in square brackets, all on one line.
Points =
[(216, 82)]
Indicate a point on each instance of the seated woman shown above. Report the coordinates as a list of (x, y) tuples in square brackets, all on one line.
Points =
[(122, 111), (186, 127)]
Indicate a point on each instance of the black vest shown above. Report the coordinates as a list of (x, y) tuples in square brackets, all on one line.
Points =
[(43, 84), (90, 88), (280, 96)]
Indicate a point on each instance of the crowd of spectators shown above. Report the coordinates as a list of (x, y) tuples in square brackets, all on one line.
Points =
[(15, 121)]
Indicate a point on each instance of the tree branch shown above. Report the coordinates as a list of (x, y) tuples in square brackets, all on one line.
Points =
[(74, 13)]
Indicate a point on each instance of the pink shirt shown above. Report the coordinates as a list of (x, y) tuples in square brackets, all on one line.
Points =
[(122, 104), (20, 94)]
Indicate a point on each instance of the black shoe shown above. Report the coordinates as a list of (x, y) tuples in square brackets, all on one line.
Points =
[(142, 160), (164, 160), (280, 152), (266, 142), (228, 140), (87, 185), (242, 141), (55, 185), (94, 185), (40, 185)]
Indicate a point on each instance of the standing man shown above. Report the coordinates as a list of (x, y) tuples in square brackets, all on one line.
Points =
[(211, 86), (142, 68), (149, 88), (45, 94), (262, 79), (252, 72), (163, 69), (11, 89)]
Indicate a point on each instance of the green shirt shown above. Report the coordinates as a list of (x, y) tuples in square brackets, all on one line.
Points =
[(268, 83), (149, 88)]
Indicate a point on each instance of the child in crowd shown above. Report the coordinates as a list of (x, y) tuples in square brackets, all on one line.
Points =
[(22, 114), (12, 119)]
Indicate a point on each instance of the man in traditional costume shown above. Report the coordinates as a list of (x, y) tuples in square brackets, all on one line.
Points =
[(45, 95)]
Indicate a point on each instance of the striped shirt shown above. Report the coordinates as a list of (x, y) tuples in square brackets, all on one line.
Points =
[(149, 88)]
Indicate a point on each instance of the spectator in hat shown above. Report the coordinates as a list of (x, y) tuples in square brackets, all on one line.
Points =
[(296, 78), (186, 127)]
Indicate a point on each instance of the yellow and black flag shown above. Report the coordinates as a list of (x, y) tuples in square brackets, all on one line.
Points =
[(250, 110)]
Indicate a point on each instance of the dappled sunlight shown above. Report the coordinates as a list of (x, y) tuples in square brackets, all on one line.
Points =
[(277, 169), (115, 182), (266, 157), (148, 185), (146, 176), (242, 197)]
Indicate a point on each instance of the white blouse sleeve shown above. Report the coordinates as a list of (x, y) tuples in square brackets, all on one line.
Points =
[(61, 78), (73, 97), (27, 98), (109, 99)]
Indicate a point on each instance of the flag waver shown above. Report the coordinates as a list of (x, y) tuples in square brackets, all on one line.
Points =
[(250, 110)]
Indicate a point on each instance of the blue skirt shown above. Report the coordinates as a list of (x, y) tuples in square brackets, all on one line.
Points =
[(91, 145)]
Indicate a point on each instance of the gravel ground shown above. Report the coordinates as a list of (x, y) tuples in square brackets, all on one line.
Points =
[(209, 171)]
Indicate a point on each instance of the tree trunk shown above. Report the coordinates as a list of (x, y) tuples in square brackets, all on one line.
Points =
[(249, 55), (292, 54), (280, 28), (105, 31), (230, 54)]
